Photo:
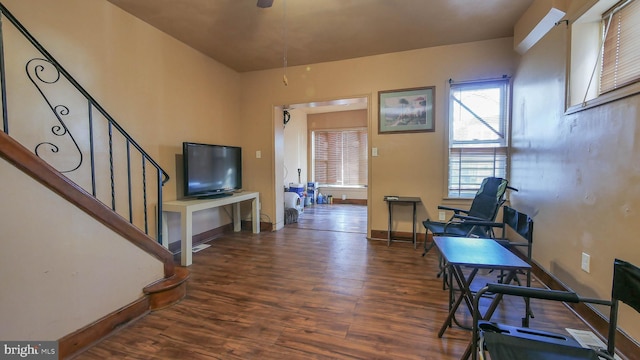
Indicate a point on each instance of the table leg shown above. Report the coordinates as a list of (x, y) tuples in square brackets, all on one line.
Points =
[(186, 254), (389, 225), (237, 225), (465, 294), (496, 300), (165, 231), (414, 225), (255, 215)]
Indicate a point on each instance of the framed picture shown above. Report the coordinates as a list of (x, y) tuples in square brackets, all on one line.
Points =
[(406, 110)]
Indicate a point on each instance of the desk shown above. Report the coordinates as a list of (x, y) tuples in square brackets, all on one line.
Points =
[(401, 200), (186, 208), (476, 254)]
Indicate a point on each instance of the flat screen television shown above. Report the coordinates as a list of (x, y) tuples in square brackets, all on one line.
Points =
[(211, 170)]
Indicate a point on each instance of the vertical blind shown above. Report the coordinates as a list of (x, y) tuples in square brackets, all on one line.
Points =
[(340, 157), (621, 48)]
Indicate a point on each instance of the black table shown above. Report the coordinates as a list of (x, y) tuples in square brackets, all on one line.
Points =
[(476, 254), (401, 200)]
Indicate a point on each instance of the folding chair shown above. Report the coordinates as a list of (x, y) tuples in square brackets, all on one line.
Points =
[(503, 341), (466, 223), (484, 207), (522, 225)]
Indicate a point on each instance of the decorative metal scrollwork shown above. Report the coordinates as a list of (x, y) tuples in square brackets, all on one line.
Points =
[(42, 71)]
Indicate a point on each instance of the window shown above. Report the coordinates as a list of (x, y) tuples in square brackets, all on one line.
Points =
[(340, 157), (621, 48), (478, 118), (605, 51)]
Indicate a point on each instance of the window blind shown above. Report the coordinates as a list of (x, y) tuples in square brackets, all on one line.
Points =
[(469, 166), (340, 157), (621, 48)]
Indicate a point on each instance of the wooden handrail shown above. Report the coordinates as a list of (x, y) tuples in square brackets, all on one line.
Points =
[(30, 164)]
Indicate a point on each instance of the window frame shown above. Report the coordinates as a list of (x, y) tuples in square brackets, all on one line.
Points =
[(504, 145), (583, 27)]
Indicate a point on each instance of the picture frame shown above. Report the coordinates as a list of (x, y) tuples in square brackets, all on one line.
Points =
[(406, 110)]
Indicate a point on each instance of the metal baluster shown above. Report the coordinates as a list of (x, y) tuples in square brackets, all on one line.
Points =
[(159, 215), (144, 195), (113, 187), (129, 181), (3, 82), (91, 151)]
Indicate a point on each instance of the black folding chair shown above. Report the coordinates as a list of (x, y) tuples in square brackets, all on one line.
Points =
[(470, 223), (484, 207), (504, 342), (514, 221)]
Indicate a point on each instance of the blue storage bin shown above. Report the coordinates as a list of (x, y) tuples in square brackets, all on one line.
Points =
[(297, 188)]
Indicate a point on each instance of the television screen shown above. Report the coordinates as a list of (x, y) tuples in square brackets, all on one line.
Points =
[(211, 170)]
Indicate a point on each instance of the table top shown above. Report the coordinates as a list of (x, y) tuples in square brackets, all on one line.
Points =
[(391, 198), (478, 253), (201, 204)]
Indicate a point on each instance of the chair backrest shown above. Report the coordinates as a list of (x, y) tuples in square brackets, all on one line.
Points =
[(626, 288), (513, 347), (521, 223), (489, 198), (626, 283)]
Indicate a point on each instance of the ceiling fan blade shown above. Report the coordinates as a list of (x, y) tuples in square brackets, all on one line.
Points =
[(265, 3)]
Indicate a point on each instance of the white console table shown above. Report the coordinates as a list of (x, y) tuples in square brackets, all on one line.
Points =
[(186, 208)]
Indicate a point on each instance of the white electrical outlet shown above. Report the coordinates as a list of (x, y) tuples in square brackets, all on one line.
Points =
[(441, 215), (586, 262), (374, 151), (258, 154)]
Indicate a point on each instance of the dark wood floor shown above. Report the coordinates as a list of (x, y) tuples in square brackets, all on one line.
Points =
[(317, 289)]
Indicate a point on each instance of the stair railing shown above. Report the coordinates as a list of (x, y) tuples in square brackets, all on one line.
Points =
[(78, 129)]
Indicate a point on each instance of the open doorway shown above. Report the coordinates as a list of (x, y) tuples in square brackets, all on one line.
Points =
[(304, 127)]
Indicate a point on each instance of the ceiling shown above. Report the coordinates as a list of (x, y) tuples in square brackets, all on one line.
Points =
[(245, 38)]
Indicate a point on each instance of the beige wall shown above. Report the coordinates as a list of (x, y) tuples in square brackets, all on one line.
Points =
[(577, 174), (59, 265), (409, 164), (162, 93), (338, 120), (159, 90)]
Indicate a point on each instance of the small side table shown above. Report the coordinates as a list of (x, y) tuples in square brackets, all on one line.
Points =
[(401, 200)]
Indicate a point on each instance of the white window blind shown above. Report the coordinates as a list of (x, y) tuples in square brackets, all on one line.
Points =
[(340, 157), (621, 48), (469, 166)]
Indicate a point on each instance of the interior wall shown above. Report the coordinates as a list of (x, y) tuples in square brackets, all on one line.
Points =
[(60, 267), (409, 164), (577, 174), (295, 148), (159, 90)]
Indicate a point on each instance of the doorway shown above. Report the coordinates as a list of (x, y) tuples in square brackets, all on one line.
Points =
[(293, 163)]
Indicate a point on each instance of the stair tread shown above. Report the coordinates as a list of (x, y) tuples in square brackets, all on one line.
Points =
[(180, 276)]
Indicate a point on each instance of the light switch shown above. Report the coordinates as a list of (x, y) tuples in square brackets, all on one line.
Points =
[(258, 154), (374, 151)]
